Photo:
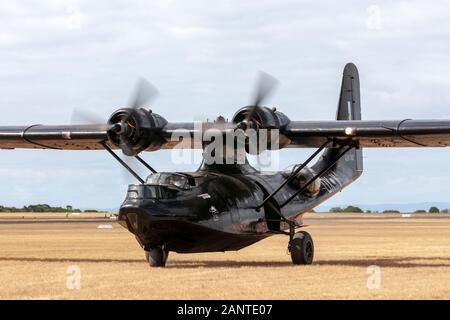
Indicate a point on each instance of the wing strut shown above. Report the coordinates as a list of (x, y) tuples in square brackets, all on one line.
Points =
[(293, 174), (115, 156), (321, 173), (145, 164)]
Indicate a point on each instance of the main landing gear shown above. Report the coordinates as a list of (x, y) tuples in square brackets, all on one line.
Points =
[(157, 257), (301, 245), (301, 248)]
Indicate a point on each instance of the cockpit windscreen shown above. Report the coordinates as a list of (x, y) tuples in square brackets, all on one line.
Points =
[(171, 179)]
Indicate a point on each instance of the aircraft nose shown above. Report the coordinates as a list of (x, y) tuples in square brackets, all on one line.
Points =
[(142, 192)]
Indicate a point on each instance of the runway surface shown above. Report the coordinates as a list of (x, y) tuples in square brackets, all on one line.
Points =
[(357, 256)]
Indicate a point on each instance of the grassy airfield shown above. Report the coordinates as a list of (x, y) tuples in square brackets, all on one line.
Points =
[(412, 253)]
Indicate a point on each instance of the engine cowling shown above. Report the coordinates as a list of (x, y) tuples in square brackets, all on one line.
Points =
[(268, 118), (263, 118), (136, 130)]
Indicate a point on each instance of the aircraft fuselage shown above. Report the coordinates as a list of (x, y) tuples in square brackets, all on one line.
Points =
[(210, 210)]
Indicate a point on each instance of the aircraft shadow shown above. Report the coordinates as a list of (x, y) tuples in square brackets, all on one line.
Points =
[(90, 260), (394, 262), (381, 262)]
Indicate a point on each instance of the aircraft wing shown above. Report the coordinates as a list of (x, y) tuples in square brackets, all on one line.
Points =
[(91, 137), (301, 134), (68, 137), (376, 134)]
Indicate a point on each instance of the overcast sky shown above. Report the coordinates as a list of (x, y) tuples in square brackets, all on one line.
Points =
[(203, 56)]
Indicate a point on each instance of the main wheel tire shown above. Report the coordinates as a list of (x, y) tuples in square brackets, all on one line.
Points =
[(302, 248), (157, 257)]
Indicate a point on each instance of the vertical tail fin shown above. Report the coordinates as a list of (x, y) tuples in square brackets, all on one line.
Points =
[(349, 106), (350, 166)]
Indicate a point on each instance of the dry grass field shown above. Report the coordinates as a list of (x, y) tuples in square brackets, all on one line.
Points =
[(413, 255)]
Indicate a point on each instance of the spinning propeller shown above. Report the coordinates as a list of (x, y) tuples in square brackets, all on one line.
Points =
[(127, 126), (122, 126), (264, 88)]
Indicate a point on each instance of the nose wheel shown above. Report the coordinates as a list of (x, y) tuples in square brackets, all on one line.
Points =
[(301, 248), (157, 257)]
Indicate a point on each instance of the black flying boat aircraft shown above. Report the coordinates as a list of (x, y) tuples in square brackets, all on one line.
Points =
[(227, 206)]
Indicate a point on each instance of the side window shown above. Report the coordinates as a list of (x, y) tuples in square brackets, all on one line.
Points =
[(170, 193)]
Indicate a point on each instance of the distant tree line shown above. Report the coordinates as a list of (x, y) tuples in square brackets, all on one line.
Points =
[(359, 210), (347, 209), (39, 208)]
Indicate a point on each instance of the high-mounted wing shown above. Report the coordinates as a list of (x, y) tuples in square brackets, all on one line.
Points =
[(136, 129), (143, 130), (378, 134), (299, 134), (70, 137)]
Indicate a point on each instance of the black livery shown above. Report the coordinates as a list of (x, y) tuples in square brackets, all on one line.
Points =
[(223, 207)]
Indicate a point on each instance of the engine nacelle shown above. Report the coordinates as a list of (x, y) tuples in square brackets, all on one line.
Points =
[(263, 118), (266, 117), (139, 129)]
